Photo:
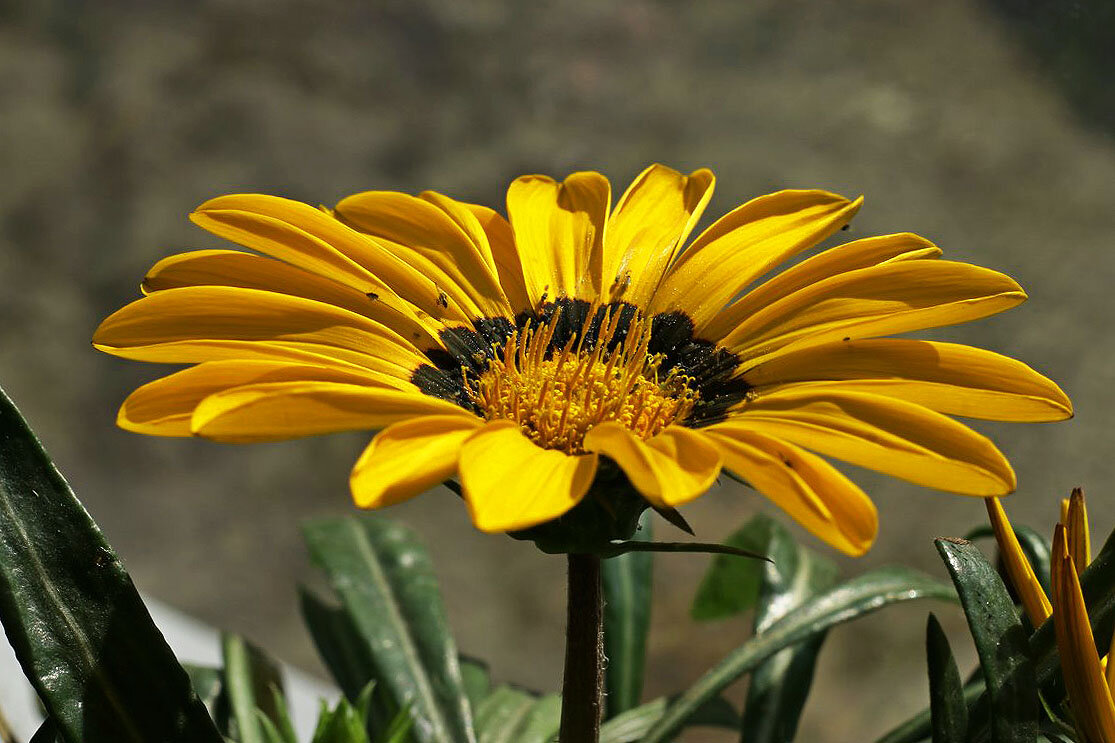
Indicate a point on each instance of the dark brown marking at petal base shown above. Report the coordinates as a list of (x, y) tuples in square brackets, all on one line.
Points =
[(453, 370)]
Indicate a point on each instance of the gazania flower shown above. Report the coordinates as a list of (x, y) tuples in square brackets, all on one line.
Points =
[(525, 354), (1090, 680)]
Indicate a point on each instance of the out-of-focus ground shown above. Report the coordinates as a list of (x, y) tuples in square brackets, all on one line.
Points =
[(964, 122)]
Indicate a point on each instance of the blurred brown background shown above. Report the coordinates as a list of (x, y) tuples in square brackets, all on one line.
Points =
[(985, 126)]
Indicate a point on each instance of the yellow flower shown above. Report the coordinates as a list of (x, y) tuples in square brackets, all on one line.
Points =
[(523, 354), (1088, 678)]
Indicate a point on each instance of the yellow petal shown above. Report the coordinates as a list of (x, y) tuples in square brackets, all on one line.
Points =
[(1109, 666), (852, 256), (164, 407), (501, 239), (803, 485), (648, 229), (1019, 569), (1076, 530), (946, 377), (182, 325), (1088, 691), (510, 484), (559, 231), (883, 434), (881, 300), (285, 410), (674, 467), (250, 271), (446, 239), (410, 457), (743, 245), (315, 241)]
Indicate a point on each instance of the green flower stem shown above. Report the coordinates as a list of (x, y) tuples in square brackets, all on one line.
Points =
[(582, 690)]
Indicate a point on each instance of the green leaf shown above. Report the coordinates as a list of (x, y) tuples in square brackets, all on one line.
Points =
[(78, 626), (342, 649), (249, 678), (635, 723), (627, 595), (209, 685), (499, 716), (780, 685), (281, 715), (509, 715), (543, 721), (861, 595), (399, 729), (344, 724), (949, 713), (731, 586), (346, 655), (476, 680), (271, 732), (622, 547), (1097, 585), (1000, 641), (387, 585), (1035, 547)]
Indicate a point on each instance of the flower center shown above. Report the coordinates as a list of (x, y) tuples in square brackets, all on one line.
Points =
[(558, 394)]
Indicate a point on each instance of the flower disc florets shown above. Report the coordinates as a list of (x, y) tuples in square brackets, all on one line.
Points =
[(558, 394)]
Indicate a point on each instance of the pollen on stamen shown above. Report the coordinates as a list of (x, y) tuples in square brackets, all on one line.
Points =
[(557, 394)]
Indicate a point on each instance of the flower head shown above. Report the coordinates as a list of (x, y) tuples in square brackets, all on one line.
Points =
[(572, 341), (1090, 680)]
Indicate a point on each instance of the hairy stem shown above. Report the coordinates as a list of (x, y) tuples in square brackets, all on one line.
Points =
[(583, 687)]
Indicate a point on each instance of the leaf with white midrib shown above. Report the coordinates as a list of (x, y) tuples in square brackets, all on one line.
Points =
[(75, 620), (502, 714), (75, 637), (418, 673), (344, 548), (863, 594)]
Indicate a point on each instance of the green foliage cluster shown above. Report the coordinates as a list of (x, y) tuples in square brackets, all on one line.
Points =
[(1017, 694), (104, 673)]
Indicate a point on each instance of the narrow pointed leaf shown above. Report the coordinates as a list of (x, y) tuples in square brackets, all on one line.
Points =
[(208, 683), (500, 715), (249, 676), (388, 588), (1098, 587), (269, 730), (731, 586), (627, 605), (341, 725), (861, 595), (780, 685), (477, 682), (543, 721), (949, 713), (281, 715), (399, 729), (339, 644), (1000, 640), (81, 632)]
